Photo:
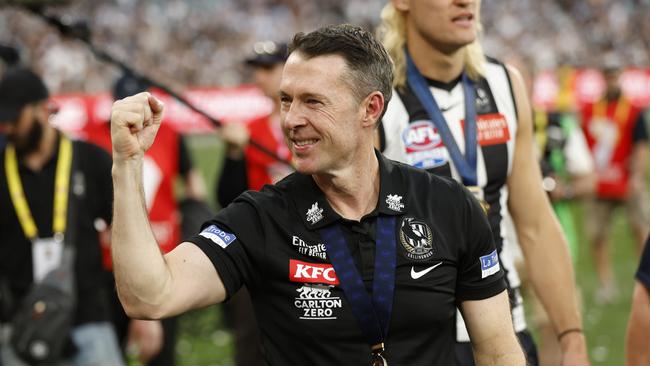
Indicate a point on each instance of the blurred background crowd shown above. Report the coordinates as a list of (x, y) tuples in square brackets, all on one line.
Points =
[(209, 38)]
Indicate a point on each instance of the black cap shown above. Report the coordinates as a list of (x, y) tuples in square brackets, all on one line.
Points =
[(9, 55), (129, 84), (18, 88), (268, 53)]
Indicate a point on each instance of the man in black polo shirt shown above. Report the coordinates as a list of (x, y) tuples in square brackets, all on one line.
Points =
[(29, 246), (354, 260)]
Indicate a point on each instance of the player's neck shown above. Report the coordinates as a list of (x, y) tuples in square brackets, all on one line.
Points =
[(435, 62), (353, 191)]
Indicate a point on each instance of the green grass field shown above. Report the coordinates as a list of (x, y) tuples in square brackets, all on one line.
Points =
[(204, 341)]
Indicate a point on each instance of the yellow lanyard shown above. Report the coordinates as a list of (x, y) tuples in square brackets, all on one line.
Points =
[(61, 184)]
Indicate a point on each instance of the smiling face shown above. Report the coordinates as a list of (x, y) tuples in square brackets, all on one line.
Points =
[(444, 24), (325, 125)]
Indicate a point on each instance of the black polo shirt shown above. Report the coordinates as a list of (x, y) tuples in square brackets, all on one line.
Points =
[(269, 241), (94, 186)]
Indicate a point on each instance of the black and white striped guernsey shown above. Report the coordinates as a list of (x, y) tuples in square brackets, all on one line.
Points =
[(409, 136)]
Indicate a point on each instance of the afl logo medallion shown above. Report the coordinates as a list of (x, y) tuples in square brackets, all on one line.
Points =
[(416, 237)]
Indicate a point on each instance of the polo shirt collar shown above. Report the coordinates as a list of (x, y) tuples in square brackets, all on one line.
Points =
[(316, 212)]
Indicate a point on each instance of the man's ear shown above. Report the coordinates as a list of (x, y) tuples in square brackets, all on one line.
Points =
[(373, 107), (402, 5)]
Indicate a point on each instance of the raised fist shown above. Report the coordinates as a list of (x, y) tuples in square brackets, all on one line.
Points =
[(134, 123)]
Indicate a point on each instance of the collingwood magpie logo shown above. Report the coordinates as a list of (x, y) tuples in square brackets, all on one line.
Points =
[(314, 214), (416, 237)]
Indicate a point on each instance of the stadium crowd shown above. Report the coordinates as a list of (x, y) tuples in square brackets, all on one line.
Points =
[(545, 33)]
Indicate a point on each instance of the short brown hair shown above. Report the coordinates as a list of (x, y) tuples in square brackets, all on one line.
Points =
[(369, 63)]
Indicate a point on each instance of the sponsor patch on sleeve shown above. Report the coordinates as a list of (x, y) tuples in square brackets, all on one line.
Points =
[(489, 264), (218, 236)]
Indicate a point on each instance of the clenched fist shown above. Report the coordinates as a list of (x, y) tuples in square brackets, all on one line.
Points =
[(134, 123)]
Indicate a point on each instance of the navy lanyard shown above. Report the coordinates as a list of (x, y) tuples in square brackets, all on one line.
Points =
[(466, 165), (373, 315)]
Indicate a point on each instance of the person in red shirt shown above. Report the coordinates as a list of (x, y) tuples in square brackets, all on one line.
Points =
[(153, 342), (617, 136), (245, 167)]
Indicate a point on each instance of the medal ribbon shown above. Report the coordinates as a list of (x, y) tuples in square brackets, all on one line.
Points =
[(372, 314), (61, 185), (466, 165)]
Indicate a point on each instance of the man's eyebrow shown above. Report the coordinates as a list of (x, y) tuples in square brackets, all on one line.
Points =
[(303, 96), (314, 95)]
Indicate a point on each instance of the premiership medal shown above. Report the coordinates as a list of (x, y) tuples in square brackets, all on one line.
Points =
[(377, 357), (378, 360), (374, 326)]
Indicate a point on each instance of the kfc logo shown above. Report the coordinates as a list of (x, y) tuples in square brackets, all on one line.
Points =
[(305, 272)]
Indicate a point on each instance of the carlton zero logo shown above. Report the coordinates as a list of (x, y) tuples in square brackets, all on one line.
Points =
[(306, 272), (417, 238), (316, 302), (423, 144)]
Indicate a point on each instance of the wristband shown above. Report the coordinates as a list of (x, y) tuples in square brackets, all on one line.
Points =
[(565, 332)]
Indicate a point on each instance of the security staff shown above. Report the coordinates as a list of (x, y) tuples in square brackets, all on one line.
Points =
[(29, 244), (355, 259)]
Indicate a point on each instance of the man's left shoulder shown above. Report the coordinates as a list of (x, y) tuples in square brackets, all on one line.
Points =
[(420, 180)]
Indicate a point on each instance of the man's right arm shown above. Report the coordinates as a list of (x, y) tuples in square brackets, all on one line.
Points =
[(150, 285)]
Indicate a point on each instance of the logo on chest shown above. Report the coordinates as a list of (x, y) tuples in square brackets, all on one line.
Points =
[(491, 129), (423, 144), (306, 272), (316, 302), (311, 250), (417, 239)]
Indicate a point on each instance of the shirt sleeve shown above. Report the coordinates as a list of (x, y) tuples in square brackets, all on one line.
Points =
[(233, 240), (643, 273), (479, 274)]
